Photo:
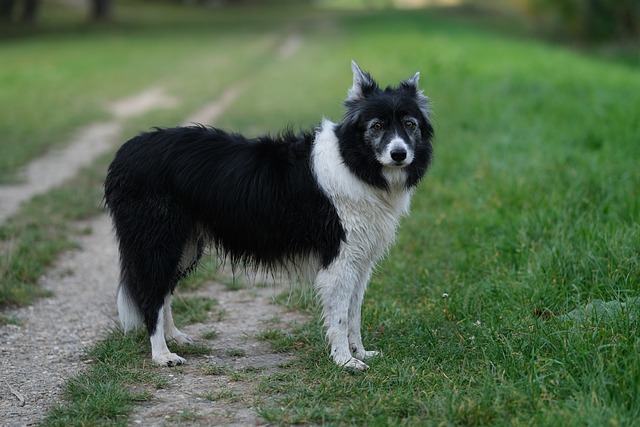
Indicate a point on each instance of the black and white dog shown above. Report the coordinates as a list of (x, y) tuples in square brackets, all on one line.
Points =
[(324, 205)]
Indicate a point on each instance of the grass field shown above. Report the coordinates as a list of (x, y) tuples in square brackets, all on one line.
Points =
[(530, 212)]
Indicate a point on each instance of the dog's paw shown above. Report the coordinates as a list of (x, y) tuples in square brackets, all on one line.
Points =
[(168, 359), (356, 364)]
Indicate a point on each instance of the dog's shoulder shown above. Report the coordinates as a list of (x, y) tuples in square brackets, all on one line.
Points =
[(329, 168)]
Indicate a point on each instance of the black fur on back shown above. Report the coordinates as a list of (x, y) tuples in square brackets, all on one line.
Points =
[(256, 200)]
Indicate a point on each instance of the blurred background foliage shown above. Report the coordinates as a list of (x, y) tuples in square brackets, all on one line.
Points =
[(585, 21)]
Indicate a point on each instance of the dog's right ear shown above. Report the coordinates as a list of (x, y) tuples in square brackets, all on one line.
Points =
[(363, 84)]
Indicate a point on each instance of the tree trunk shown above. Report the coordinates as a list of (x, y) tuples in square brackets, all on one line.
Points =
[(30, 11), (101, 10), (6, 9)]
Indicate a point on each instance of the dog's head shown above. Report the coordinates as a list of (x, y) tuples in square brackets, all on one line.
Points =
[(387, 129)]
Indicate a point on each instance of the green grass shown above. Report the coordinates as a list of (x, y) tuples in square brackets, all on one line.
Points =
[(191, 309), (32, 239), (280, 342), (532, 204), (531, 208), (103, 393)]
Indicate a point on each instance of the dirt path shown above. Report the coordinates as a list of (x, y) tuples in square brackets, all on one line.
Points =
[(46, 172), (47, 347)]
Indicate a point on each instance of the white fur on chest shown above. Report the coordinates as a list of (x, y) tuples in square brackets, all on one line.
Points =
[(369, 215)]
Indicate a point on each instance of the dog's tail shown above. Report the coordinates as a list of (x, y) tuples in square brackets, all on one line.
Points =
[(128, 310)]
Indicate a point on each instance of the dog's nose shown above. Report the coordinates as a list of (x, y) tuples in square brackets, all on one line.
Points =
[(398, 154)]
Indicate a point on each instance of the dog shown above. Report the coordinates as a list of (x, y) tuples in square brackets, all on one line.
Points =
[(323, 204)]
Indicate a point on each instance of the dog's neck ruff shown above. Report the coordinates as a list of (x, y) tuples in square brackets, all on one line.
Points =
[(369, 215), (339, 183)]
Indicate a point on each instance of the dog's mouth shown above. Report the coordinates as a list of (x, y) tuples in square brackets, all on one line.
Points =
[(398, 165), (394, 164)]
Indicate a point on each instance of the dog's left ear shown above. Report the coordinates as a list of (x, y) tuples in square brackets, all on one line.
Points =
[(363, 84), (413, 81), (422, 101)]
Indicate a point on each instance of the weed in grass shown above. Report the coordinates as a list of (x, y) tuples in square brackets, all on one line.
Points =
[(9, 320), (238, 376), (226, 395), (191, 309), (275, 320), (236, 352), (252, 370), (216, 370), (279, 341), (234, 284), (210, 335), (220, 314), (185, 415)]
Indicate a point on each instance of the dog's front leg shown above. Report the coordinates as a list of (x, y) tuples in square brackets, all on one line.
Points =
[(355, 318), (335, 285)]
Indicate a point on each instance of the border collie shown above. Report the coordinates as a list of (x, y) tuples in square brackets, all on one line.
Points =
[(326, 203)]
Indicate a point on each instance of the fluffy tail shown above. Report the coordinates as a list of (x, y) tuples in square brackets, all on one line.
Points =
[(128, 310)]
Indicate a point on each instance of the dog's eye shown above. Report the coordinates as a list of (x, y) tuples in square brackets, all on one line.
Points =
[(377, 126), (409, 124)]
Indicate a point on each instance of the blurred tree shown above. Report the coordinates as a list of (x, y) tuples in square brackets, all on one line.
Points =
[(101, 10), (29, 10), (6, 9), (589, 19)]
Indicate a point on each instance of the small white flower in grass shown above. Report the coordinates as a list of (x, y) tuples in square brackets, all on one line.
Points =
[(445, 295), (478, 323)]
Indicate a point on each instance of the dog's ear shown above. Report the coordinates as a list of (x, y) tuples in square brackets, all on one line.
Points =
[(422, 101), (363, 84), (412, 81)]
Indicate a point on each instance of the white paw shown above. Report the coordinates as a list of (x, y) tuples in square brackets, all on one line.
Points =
[(168, 359), (355, 364), (180, 338)]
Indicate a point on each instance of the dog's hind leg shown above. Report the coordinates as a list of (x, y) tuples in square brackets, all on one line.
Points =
[(128, 310), (190, 256), (355, 316), (152, 234), (170, 330)]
